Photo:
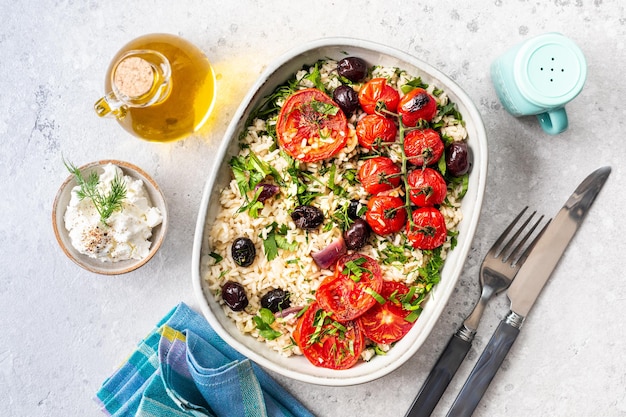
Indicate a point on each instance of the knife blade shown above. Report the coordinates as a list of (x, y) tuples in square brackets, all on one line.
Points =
[(526, 287)]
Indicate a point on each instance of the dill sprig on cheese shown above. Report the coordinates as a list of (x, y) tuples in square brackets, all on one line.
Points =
[(105, 203)]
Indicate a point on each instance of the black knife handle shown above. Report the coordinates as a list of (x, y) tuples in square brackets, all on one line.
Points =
[(484, 370), (439, 377)]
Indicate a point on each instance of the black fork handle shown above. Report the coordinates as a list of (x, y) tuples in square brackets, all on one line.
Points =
[(439, 377)]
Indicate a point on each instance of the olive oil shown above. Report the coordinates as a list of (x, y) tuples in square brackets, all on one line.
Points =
[(160, 87)]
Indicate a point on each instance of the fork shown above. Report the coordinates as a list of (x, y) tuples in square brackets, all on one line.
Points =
[(497, 271)]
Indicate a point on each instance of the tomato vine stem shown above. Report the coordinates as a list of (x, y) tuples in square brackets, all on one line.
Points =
[(403, 171)]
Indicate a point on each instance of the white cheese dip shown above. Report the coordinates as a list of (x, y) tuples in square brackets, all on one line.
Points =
[(126, 233)]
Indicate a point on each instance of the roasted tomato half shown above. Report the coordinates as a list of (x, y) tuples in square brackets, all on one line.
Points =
[(379, 174), (386, 214), (423, 147), (375, 130), (311, 127), (427, 187), (377, 94), (350, 291), (327, 343), (389, 322), (417, 105), (428, 230)]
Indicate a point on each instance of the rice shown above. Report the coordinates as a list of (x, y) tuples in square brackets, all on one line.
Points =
[(294, 270)]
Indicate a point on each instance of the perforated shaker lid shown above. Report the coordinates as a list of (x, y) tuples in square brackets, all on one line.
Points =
[(550, 70)]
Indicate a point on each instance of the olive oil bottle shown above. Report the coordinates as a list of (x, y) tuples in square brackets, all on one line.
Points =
[(159, 87)]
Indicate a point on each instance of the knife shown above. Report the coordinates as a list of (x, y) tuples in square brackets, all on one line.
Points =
[(526, 287)]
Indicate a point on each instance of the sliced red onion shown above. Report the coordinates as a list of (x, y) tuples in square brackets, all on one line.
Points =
[(288, 311), (267, 191), (328, 256)]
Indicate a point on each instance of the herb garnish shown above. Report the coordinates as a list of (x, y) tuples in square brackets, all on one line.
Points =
[(303, 195), (413, 303), (325, 109), (379, 298), (315, 77), (105, 203), (340, 217), (354, 270), (413, 84), (217, 257), (263, 322), (325, 325), (391, 254), (337, 189), (249, 171), (276, 239), (430, 273)]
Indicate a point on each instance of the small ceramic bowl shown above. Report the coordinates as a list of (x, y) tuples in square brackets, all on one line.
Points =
[(95, 265)]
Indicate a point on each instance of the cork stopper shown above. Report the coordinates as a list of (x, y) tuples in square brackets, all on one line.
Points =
[(133, 77)]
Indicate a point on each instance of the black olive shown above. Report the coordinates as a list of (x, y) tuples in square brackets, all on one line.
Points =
[(234, 295), (457, 159), (353, 68), (276, 300), (243, 251), (354, 208), (357, 235), (307, 217), (267, 191), (346, 98)]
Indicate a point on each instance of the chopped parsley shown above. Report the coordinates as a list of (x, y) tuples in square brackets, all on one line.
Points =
[(430, 273), (217, 257), (249, 171), (325, 326), (316, 78), (354, 270), (413, 84), (332, 185), (263, 322), (327, 109), (276, 239), (303, 195), (392, 254)]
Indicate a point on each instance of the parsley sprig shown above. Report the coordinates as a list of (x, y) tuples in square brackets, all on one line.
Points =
[(277, 239), (249, 171), (105, 202), (263, 322)]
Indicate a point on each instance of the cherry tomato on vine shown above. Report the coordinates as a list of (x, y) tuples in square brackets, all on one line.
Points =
[(423, 147), (387, 323), (417, 105), (376, 93), (379, 174), (428, 230), (311, 127), (326, 342), (427, 187), (386, 214), (349, 292), (374, 130)]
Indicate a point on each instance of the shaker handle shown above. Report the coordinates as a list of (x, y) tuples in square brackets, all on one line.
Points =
[(554, 121)]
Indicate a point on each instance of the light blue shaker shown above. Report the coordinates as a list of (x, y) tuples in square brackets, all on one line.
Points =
[(538, 77)]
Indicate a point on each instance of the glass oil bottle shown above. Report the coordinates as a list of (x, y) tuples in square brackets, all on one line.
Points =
[(159, 87)]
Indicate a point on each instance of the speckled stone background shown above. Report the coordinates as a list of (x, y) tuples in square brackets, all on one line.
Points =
[(65, 330)]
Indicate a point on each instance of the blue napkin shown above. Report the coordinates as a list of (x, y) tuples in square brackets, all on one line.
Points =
[(183, 368)]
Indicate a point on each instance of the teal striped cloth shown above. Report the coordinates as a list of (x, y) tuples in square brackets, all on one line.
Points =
[(183, 368)]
